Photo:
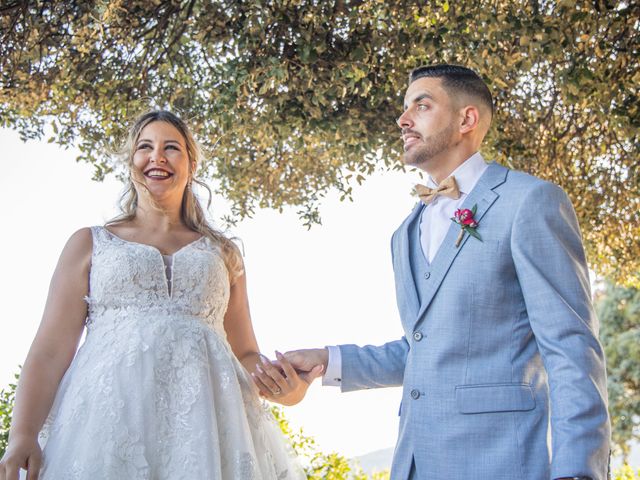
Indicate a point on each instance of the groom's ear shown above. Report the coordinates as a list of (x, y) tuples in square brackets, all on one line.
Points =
[(469, 118)]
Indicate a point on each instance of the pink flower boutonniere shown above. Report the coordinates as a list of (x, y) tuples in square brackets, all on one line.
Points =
[(464, 218)]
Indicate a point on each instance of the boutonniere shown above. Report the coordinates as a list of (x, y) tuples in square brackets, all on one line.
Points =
[(464, 218)]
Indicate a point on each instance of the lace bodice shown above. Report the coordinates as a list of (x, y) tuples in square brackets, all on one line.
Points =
[(130, 275)]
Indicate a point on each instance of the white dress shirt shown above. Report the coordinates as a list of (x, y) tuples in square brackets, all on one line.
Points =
[(436, 217), (435, 221)]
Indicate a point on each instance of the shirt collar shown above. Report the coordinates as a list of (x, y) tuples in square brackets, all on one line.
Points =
[(467, 174)]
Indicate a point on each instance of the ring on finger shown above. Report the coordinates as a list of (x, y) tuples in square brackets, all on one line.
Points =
[(277, 391)]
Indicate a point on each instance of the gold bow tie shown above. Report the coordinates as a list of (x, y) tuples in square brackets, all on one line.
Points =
[(448, 188)]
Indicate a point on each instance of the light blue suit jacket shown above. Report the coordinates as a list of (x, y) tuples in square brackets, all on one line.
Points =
[(500, 339)]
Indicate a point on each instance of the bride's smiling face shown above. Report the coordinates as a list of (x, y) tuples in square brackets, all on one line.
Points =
[(161, 161)]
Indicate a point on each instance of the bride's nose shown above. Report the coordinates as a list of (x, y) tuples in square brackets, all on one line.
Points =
[(157, 156)]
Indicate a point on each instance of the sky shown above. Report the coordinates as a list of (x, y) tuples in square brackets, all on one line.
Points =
[(329, 285)]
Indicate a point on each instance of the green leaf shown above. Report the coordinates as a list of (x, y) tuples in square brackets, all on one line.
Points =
[(473, 232)]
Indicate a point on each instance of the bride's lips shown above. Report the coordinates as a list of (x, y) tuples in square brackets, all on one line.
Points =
[(158, 174)]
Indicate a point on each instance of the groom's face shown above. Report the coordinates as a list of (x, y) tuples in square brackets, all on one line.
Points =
[(428, 122)]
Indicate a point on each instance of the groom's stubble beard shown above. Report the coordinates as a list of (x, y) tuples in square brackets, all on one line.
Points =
[(431, 147)]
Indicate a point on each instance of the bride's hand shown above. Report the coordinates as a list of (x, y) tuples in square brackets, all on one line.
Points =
[(280, 383), (22, 452)]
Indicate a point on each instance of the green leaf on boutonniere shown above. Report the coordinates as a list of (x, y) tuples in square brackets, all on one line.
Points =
[(474, 209), (473, 233)]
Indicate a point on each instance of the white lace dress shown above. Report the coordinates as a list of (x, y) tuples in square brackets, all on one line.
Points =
[(155, 391)]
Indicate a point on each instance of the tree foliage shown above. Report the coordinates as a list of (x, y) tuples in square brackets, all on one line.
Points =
[(320, 465), (618, 309), (7, 397), (626, 472), (293, 98)]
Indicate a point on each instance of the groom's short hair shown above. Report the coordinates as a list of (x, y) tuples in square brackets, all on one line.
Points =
[(457, 80)]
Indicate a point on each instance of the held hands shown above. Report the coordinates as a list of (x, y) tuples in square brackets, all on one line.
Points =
[(305, 360), (279, 382), (22, 452)]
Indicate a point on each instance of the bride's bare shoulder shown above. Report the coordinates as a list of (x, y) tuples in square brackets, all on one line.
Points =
[(79, 245)]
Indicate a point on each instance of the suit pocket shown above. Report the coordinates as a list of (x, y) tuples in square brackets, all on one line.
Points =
[(495, 397)]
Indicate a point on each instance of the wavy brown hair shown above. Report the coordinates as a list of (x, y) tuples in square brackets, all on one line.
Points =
[(191, 211)]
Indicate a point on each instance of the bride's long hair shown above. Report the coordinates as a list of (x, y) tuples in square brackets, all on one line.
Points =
[(191, 211)]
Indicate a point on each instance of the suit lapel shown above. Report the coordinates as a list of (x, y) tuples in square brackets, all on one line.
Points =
[(402, 254), (483, 196)]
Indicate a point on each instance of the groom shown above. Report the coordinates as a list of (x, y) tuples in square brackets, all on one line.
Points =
[(500, 339)]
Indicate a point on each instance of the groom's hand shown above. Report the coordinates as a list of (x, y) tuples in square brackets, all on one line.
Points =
[(278, 381), (305, 360)]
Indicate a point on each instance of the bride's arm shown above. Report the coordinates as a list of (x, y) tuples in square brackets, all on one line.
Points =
[(237, 325), (283, 385), (50, 354)]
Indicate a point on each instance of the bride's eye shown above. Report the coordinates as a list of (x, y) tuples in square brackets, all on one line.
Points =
[(143, 146)]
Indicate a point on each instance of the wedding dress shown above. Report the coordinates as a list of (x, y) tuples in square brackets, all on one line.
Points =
[(155, 391)]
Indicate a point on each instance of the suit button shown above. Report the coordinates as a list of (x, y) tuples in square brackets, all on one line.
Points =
[(427, 275), (415, 394), (417, 336)]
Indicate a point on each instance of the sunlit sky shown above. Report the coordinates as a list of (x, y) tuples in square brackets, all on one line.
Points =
[(307, 288)]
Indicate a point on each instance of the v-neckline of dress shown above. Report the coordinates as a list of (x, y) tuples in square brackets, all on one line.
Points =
[(169, 289), (152, 247)]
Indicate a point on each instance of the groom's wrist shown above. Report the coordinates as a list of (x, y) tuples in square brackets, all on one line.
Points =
[(324, 356), (333, 367)]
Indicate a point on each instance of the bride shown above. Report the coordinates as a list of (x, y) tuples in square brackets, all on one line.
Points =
[(161, 387)]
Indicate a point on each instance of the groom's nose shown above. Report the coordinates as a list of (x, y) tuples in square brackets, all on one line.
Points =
[(404, 120)]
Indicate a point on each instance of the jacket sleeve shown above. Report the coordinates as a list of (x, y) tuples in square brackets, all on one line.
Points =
[(552, 271), (373, 366)]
